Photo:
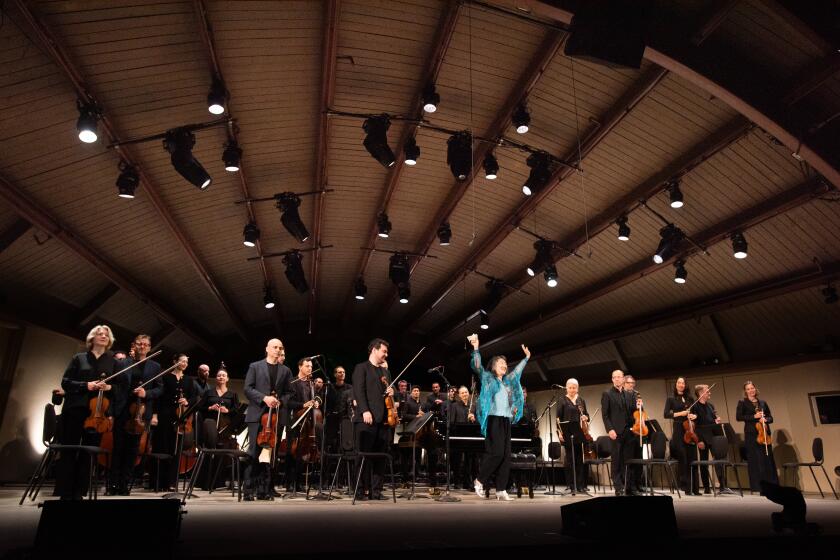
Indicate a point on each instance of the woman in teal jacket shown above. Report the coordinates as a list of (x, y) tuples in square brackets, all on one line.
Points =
[(499, 405)]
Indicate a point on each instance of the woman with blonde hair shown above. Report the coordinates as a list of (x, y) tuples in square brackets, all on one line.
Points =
[(753, 411)]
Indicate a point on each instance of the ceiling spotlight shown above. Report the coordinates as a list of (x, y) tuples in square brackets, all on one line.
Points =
[(671, 235), (491, 167), (680, 273), (485, 320), (521, 119), (288, 204), (739, 245), (127, 181), (623, 229), (540, 164), (217, 98), (179, 142), (360, 289), (404, 290), (495, 291), (383, 225), (412, 152), (830, 294), (86, 125), (550, 276), (459, 154), (444, 234), (675, 194), (398, 269), (431, 99), (294, 271), (231, 156), (268, 298), (251, 233), (543, 257), (376, 140)]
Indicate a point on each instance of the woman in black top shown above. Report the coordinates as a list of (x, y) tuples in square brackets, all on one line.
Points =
[(177, 390), (760, 462), (220, 408), (571, 410), (676, 408)]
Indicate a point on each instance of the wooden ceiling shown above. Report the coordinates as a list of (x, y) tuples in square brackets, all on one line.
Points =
[(726, 93)]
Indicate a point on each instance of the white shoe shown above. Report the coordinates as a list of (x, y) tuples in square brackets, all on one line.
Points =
[(479, 489), (503, 496)]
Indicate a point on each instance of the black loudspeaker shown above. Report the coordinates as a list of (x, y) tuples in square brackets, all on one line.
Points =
[(599, 518), (610, 32), (117, 528)]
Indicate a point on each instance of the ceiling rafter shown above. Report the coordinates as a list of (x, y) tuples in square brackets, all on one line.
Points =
[(13, 233)]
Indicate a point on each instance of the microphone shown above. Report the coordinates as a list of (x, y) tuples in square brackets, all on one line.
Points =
[(434, 369), (556, 386)]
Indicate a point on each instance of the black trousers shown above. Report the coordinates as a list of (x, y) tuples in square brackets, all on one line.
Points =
[(126, 447), (73, 468), (374, 438), (622, 448), (257, 475), (496, 452)]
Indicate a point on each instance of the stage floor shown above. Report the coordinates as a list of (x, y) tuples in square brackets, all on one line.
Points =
[(217, 525)]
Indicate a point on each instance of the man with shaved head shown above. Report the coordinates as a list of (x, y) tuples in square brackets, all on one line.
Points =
[(267, 385)]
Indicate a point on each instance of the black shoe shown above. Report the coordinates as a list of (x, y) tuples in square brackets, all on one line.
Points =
[(112, 491), (362, 498), (619, 493), (248, 498), (707, 491)]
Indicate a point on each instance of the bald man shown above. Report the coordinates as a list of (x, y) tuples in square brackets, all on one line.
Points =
[(267, 385)]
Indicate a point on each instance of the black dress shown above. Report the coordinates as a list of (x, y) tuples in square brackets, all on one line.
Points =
[(570, 413), (760, 462), (679, 449)]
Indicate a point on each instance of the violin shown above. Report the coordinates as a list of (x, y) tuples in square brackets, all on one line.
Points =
[(267, 437), (393, 419), (640, 418), (763, 437), (189, 454), (96, 420), (584, 424), (690, 436)]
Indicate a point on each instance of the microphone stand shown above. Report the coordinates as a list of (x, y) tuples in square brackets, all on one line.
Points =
[(553, 491), (320, 495), (446, 497)]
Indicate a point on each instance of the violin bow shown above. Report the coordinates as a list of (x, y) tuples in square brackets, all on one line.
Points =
[(417, 355), (131, 366)]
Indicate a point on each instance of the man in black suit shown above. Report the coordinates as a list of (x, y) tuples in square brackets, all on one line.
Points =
[(617, 406), (371, 419), (266, 386)]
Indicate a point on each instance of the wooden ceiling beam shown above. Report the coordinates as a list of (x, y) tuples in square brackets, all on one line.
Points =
[(91, 308), (53, 48), (13, 233)]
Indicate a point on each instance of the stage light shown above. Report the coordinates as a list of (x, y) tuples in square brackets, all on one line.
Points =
[(383, 225), (217, 98), (404, 292), (675, 194), (86, 125), (376, 140), (251, 233), (232, 156), (540, 164), (623, 229), (459, 155), (398, 269), (680, 273), (444, 234), (521, 119), (288, 204), (485, 320), (431, 99), (268, 298), (550, 276), (491, 167), (412, 152), (543, 257), (670, 237), (495, 291), (830, 294), (360, 289), (739, 245), (127, 181), (294, 271), (179, 143)]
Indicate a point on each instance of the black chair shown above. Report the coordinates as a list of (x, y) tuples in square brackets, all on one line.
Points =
[(819, 458), (48, 435), (742, 460), (657, 451), (720, 452), (602, 449), (235, 456)]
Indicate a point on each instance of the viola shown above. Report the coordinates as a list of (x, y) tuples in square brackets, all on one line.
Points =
[(389, 405), (136, 423), (267, 437), (690, 436), (763, 436), (189, 453), (640, 418), (584, 424), (96, 420)]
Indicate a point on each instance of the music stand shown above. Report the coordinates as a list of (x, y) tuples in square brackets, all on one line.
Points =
[(411, 429)]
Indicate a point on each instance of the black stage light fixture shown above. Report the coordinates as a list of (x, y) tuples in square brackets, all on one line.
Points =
[(485, 320), (360, 289), (251, 234), (383, 225), (127, 181), (86, 125), (288, 204), (412, 152), (680, 273), (459, 155), (739, 245), (550, 276), (398, 269), (830, 294), (495, 291), (268, 298), (540, 164), (376, 140), (670, 237), (431, 99), (232, 156), (217, 98), (542, 259), (491, 167), (521, 118), (444, 234), (404, 290), (294, 271), (675, 194), (179, 143), (623, 229)]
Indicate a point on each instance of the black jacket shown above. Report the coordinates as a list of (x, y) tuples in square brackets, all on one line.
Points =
[(368, 391), (746, 413), (569, 412), (84, 367), (617, 410), (258, 386), (136, 376), (409, 410)]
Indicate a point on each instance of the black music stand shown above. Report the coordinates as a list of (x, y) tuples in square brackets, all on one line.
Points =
[(446, 496), (411, 429)]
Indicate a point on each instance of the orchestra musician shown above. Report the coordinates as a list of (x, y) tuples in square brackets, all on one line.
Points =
[(677, 408), (617, 406), (81, 383), (303, 396), (571, 412), (435, 401), (707, 422), (529, 418), (266, 386), (463, 463), (220, 408), (501, 403), (760, 462), (410, 409), (177, 390), (337, 407)]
